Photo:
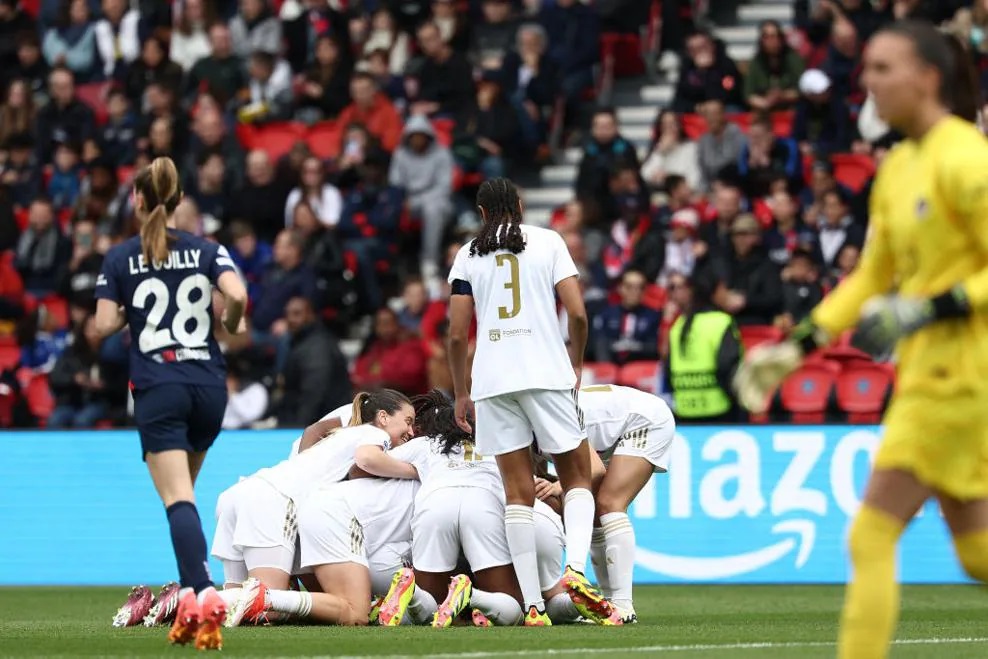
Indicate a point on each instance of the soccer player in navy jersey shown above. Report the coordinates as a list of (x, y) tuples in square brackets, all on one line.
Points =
[(160, 283)]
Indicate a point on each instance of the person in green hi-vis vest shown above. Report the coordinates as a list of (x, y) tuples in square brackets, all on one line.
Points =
[(704, 353)]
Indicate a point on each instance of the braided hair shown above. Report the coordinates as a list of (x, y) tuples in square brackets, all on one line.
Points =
[(501, 208), (435, 418)]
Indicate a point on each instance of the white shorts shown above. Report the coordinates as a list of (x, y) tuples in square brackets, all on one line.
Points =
[(550, 540), (506, 423), (329, 533), (251, 516), (452, 518), (650, 441)]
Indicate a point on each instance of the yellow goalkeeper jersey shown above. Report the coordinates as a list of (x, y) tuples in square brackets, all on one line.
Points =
[(928, 232)]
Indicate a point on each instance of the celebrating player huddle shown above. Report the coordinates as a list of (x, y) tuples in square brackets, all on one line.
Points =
[(454, 521)]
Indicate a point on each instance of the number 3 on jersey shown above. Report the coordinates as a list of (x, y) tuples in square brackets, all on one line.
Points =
[(513, 284), (188, 310)]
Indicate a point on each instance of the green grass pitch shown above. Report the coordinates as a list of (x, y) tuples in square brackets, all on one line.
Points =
[(676, 621)]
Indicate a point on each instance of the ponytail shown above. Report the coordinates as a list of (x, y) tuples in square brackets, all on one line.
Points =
[(366, 405), (159, 186), (154, 236), (357, 417), (965, 85)]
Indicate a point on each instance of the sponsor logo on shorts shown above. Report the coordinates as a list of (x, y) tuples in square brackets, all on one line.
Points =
[(356, 537), (636, 439), (291, 522)]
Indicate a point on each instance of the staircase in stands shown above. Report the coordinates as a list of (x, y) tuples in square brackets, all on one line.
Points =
[(639, 100)]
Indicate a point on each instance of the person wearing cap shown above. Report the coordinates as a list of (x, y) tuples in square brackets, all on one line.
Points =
[(771, 80), (682, 246), (754, 289), (823, 121)]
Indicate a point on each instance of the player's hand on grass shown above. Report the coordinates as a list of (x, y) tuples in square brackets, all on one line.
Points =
[(464, 413)]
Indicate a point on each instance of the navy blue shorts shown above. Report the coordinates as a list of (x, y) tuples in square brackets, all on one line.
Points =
[(185, 417)]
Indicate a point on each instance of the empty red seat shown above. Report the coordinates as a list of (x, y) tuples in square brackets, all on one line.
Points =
[(93, 94), (753, 335), (623, 52), (277, 139), (323, 139), (444, 130), (642, 375), (10, 356), (654, 297), (600, 373), (853, 170), (862, 391), (39, 398), (806, 393)]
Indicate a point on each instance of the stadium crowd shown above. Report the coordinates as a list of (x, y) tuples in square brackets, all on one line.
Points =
[(345, 217)]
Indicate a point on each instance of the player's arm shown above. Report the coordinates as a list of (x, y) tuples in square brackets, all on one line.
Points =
[(460, 316), (571, 297), (110, 315), (967, 187), (373, 459), (234, 291), (318, 431)]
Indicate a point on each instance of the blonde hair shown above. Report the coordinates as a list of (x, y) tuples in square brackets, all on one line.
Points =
[(159, 185), (366, 405)]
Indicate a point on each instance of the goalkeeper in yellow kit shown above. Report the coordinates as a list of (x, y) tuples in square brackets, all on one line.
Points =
[(922, 285)]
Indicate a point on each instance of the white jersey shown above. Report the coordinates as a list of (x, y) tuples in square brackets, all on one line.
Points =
[(328, 461), (344, 413), (610, 411), (519, 345), (463, 467)]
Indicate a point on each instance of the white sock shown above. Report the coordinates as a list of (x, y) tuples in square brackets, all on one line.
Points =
[(183, 592), (578, 514), (598, 559), (500, 608), (229, 595), (421, 609), (202, 594), (293, 602), (620, 542), (561, 609), (519, 529)]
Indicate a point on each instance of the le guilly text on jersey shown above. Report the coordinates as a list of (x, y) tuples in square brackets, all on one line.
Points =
[(185, 259)]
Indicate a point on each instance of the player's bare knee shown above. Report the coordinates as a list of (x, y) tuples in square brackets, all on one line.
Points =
[(609, 501)]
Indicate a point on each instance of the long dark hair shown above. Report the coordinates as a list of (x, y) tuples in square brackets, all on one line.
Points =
[(772, 63), (703, 284), (435, 418), (498, 197)]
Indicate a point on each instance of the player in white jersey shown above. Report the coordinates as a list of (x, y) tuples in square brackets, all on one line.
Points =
[(633, 431), (524, 380), (354, 535), (256, 525)]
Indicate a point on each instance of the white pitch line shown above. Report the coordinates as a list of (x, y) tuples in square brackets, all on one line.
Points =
[(667, 648)]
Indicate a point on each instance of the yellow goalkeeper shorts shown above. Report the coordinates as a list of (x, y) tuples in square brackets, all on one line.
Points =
[(943, 442)]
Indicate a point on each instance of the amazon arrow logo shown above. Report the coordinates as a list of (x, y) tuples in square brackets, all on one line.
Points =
[(802, 534)]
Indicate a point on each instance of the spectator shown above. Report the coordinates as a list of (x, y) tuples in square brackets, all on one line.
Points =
[(393, 86), (17, 114), (414, 300), (210, 133), (152, 67), (20, 175), (628, 331), (801, 290), (30, 66), (315, 374), (78, 283), (117, 38), (773, 74), (603, 153), (787, 233), (754, 294), (71, 42), (424, 170), (252, 256), (85, 388), (822, 180), (385, 35), (270, 89), (262, 200), (494, 36), (255, 29), (670, 153), (221, 73), (101, 192), (682, 246), (326, 89), (372, 108), (42, 251), (837, 228), (679, 195), (708, 75), (42, 341), (161, 140), (842, 64), (970, 25), (118, 136), (208, 189), (574, 45), (847, 260), (247, 401), (454, 25), (370, 222), (495, 127), (391, 358), (314, 189), (720, 147), (704, 354), (530, 80), (823, 122), (286, 278), (765, 158), (66, 174), (161, 103), (355, 143), (13, 23), (316, 20), (190, 38), (324, 256), (727, 207), (11, 294), (445, 78), (65, 118)]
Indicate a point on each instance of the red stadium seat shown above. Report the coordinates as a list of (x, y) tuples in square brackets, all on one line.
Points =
[(862, 390), (93, 94), (782, 123), (277, 139), (623, 52), (39, 398), (655, 297), (853, 170), (753, 335), (444, 130), (640, 375), (846, 356), (323, 139), (247, 136), (600, 373), (806, 393), (694, 126), (10, 356), (8, 400)]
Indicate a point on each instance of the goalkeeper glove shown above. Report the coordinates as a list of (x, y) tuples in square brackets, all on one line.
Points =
[(888, 318)]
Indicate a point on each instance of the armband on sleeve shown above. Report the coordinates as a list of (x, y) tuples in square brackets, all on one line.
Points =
[(460, 287)]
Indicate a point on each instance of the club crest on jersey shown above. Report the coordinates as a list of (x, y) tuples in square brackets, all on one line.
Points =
[(494, 335)]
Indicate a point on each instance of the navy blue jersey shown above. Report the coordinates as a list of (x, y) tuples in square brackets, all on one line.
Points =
[(169, 309)]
